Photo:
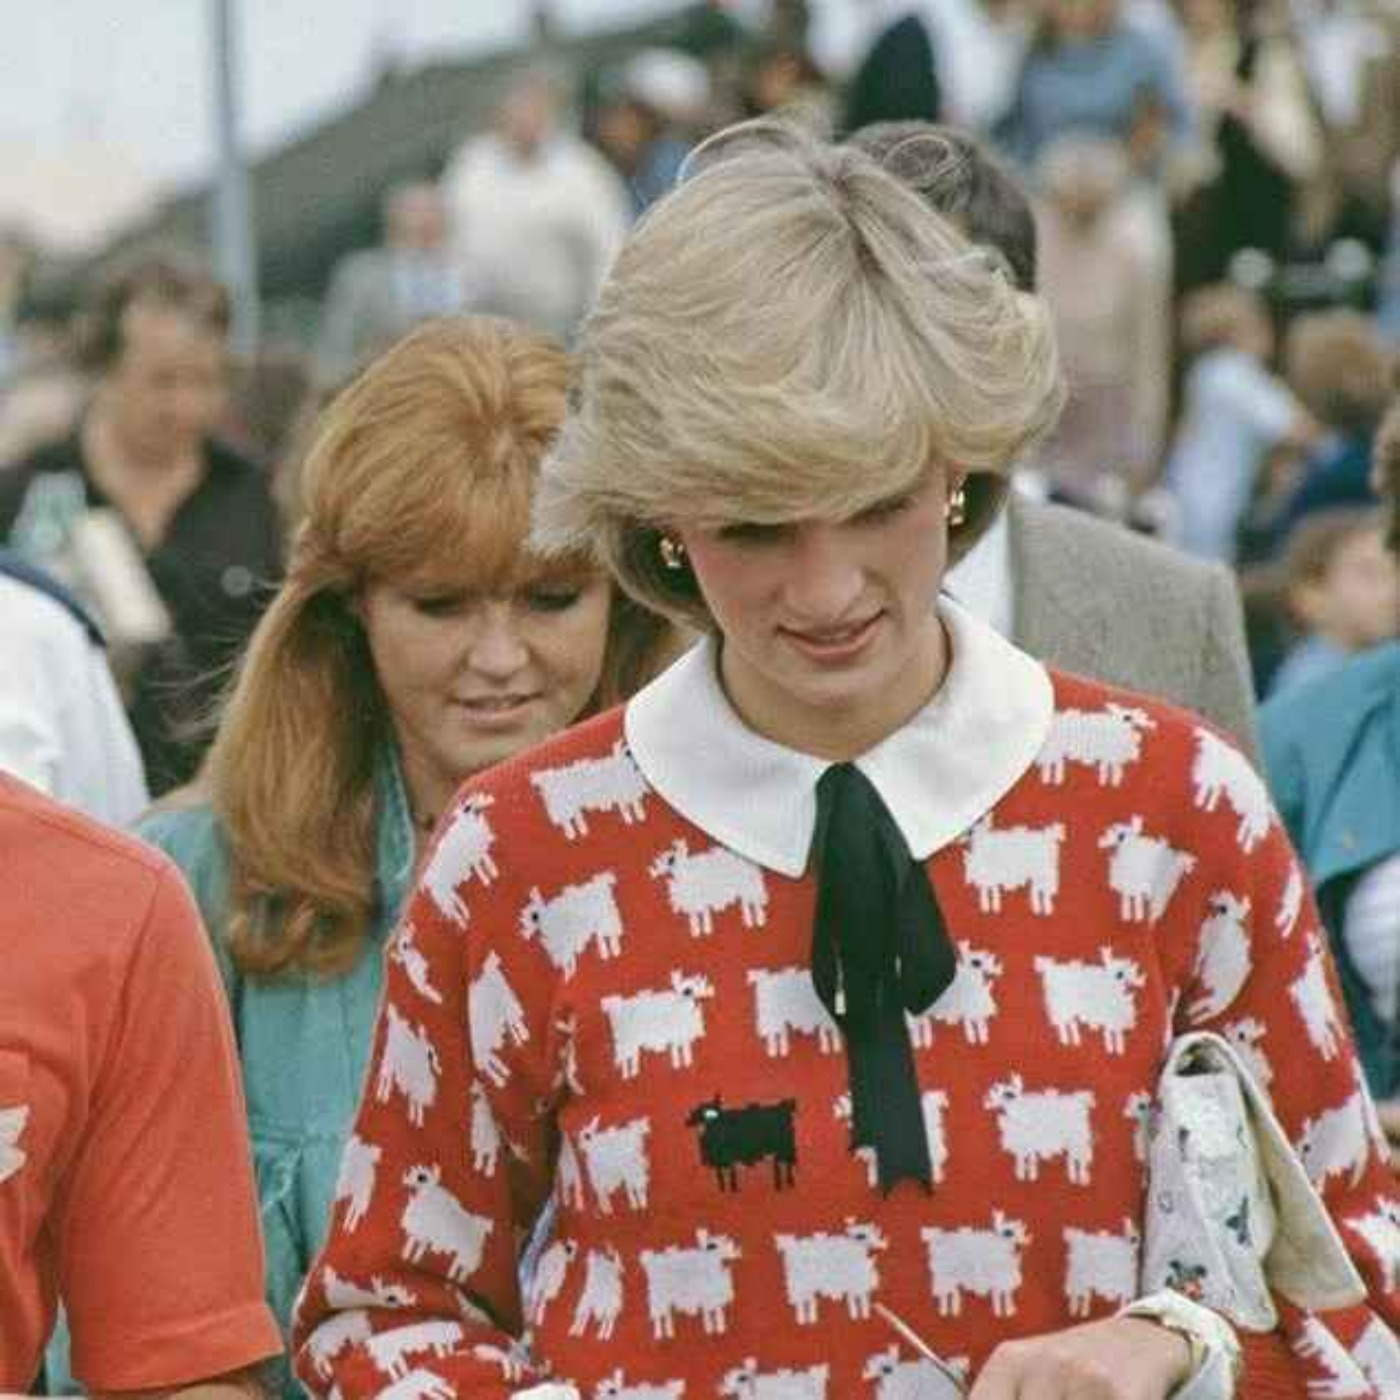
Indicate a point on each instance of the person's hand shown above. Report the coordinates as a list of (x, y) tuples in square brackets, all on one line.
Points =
[(1117, 1358)]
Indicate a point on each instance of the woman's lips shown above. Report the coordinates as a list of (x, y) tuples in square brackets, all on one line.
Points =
[(496, 710), (834, 645)]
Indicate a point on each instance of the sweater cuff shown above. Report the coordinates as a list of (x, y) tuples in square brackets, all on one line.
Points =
[(1215, 1349)]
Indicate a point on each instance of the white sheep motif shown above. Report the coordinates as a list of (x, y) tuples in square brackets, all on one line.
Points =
[(390, 1349), (547, 1282), (336, 1334), (1043, 1125), (660, 1021), (405, 953), (463, 852), (1312, 996), (1143, 871), (494, 1015), (600, 1303), (1106, 740), (747, 1382), (786, 1003), (1336, 1142), (342, 1295), (1377, 1352), (983, 1262), (912, 1380), (577, 916), (837, 1267), (409, 1065), (694, 1282), (1380, 1228), (1223, 955), (418, 1384), (1103, 1264), (1290, 903), (1345, 1379), (1097, 996), (702, 884), (967, 1001), (354, 1182), (485, 1134), (1221, 770), (434, 1222), (1001, 860), (1246, 1036), (1138, 1109), (615, 1387), (612, 783), (616, 1159)]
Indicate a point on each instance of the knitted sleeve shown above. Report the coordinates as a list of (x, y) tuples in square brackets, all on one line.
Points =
[(450, 1157), (1263, 978)]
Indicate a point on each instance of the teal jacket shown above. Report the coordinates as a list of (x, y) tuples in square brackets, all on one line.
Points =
[(303, 1042), (1332, 752)]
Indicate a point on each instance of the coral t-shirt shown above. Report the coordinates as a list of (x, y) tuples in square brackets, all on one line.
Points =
[(126, 1188)]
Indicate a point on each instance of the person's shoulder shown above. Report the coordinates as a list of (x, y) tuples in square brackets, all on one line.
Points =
[(233, 464), (1096, 546), (39, 835), (49, 458)]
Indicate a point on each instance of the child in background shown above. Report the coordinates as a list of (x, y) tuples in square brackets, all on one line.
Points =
[(1236, 412), (1342, 588)]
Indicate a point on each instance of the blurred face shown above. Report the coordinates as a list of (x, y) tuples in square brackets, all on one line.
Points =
[(417, 219), (166, 389), (1357, 601), (471, 680), (526, 117), (1082, 19), (830, 639)]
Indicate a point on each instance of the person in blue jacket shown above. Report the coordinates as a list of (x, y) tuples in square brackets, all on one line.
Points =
[(1332, 751)]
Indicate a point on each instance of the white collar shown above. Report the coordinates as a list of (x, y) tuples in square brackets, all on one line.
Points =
[(948, 766)]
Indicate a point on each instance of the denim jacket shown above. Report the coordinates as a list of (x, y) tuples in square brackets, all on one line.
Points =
[(1332, 752)]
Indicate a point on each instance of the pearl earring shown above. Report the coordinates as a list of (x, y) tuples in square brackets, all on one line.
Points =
[(672, 553)]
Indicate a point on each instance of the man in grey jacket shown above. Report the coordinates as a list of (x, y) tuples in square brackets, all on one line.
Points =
[(1079, 593)]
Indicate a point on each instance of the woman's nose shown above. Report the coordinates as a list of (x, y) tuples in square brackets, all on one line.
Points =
[(497, 647), (826, 576)]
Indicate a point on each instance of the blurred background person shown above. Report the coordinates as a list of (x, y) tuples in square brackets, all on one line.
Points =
[(536, 213), (62, 726), (414, 643), (1235, 412), (1335, 363), (782, 80), (647, 124), (376, 294), (897, 79), (1341, 590), (1257, 140), (197, 523), (1334, 766), (16, 258), (1112, 311)]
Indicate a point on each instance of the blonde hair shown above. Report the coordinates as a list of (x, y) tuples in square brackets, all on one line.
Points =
[(423, 467), (790, 333)]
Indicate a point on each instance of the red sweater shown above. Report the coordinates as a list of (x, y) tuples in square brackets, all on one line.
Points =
[(591, 1001)]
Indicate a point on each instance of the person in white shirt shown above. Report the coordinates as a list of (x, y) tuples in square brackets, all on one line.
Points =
[(62, 726), (536, 213)]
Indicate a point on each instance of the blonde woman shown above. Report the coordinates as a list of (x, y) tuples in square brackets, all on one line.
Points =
[(415, 642), (817, 989)]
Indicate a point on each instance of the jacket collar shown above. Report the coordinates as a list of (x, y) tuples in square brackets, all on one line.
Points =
[(937, 775)]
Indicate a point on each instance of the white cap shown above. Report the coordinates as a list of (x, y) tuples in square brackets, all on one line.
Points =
[(672, 83)]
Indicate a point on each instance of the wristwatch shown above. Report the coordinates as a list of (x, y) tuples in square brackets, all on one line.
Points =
[(1204, 1330)]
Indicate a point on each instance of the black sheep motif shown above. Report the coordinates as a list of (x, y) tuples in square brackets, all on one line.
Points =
[(731, 1138)]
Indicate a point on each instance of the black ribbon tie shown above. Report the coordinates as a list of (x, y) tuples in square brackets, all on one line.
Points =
[(880, 948)]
